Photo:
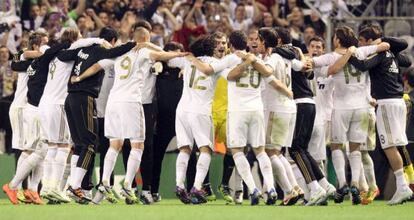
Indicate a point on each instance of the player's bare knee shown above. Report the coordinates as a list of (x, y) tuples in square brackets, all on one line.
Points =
[(258, 150), (116, 144), (205, 149), (237, 150), (336, 146), (185, 149), (137, 145), (354, 146)]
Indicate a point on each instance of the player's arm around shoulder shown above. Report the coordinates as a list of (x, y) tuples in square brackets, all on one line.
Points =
[(237, 72)]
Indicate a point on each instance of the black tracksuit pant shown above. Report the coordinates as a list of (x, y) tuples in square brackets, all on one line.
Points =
[(305, 118)]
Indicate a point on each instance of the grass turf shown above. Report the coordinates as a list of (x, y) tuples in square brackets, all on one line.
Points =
[(173, 209)]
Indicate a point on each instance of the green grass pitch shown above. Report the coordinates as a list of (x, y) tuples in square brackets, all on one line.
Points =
[(174, 210)]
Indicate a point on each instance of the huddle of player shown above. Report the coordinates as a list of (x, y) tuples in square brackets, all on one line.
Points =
[(281, 103)]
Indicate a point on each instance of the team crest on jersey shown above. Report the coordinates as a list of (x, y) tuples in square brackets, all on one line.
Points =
[(30, 71)]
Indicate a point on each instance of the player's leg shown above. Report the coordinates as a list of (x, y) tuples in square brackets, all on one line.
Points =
[(391, 123), (83, 108), (184, 142), (303, 128), (408, 165), (147, 162)]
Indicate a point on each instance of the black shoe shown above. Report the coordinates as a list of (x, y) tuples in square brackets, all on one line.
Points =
[(78, 195), (182, 194), (209, 194), (146, 197), (356, 197), (156, 197), (341, 193)]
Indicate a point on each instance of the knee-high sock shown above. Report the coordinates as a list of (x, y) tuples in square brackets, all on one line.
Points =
[(301, 181), (266, 169), (289, 171), (109, 164), (338, 160), (59, 166), (22, 157), (65, 177), (369, 172), (25, 168), (48, 166), (280, 172), (228, 167), (243, 168), (181, 168), (73, 161), (238, 181), (134, 161), (363, 185), (203, 164), (355, 163), (37, 174)]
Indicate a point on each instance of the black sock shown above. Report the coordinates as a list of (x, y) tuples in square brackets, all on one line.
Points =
[(228, 167)]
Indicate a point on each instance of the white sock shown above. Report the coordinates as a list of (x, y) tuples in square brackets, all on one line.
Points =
[(280, 172), (400, 179), (338, 161), (266, 169), (73, 161), (324, 183), (238, 181), (355, 162), (48, 166), (301, 181), (369, 172), (65, 177), (37, 174), (109, 164), (22, 157), (181, 168), (243, 168), (78, 175), (32, 161), (134, 160), (289, 170), (313, 186), (59, 166), (203, 164), (363, 185)]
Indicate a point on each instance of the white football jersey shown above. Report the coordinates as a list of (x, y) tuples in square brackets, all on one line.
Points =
[(273, 99), (322, 88), (56, 88), (107, 83), (198, 91), (350, 84), (20, 96), (244, 94), (128, 78)]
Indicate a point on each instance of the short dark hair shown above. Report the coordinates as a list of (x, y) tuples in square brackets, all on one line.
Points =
[(238, 40), (269, 36), (318, 39), (36, 39), (209, 44), (171, 46), (108, 34), (409, 76), (371, 32), (284, 35), (142, 23), (196, 47), (346, 36)]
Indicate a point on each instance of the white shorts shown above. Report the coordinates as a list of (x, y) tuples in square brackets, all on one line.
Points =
[(391, 122), (370, 144), (191, 126), (279, 129), (349, 125), (55, 128), (125, 120), (32, 128), (17, 125), (245, 128), (317, 143)]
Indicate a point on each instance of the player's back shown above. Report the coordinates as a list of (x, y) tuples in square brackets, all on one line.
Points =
[(198, 89), (128, 79)]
